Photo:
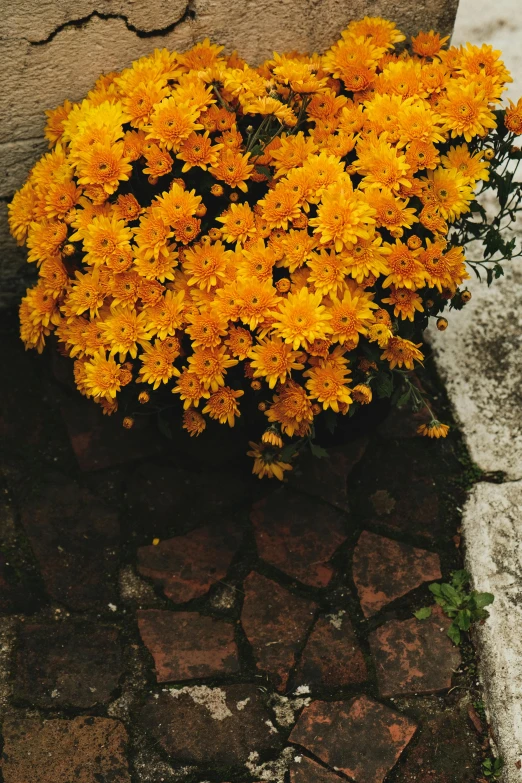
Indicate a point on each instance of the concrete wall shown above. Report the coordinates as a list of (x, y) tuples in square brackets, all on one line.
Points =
[(55, 49)]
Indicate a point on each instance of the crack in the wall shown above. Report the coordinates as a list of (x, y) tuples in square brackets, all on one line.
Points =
[(188, 13)]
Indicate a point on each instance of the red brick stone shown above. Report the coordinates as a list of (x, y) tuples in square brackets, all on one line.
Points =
[(100, 441), (276, 623), (186, 566), (67, 664), (74, 537), (213, 727), (332, 657), (414, 656), (299, 535), (188, 645), (81, 750), (384, 570), (162, 495), (397, 487), (361, 738), (445, 750), (308, 771), (327, 478)]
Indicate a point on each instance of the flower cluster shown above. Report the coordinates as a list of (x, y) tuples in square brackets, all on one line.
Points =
[(280, 233)]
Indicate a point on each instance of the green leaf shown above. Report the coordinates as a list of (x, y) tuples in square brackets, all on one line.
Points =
[(482, 599), (318, 451), (460, 579), (288, 451), (423, 614), (454, 633), (464, 620), (383, 385), (450, 594), (435, 588), (264, 170)]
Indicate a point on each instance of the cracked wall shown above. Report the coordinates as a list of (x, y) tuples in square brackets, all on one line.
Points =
[(55, 49)]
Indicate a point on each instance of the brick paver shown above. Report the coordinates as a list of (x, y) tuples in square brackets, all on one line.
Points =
[(269, 632)]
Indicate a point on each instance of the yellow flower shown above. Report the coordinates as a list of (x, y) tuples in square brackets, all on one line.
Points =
[(362, 393), (471, 167), (102, 238), (104, 165), (434, 429), (102, 376), (172, 123), (351, 316), (291, 408), (238, 223), (274, 360), (190, 388), (210, 366), (465, 110), (402, 353), (302, 319), (164, 317), (156, 364), (222, 405), (327, 384), (206, 264), (344, 216), (513, 117), (124, 329), (405, 302), (271, 107), (233, 168), (449, 191), (193, 422), (267, 461), (404, 268)]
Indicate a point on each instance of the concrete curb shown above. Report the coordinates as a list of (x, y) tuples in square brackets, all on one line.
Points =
[(480, 360)]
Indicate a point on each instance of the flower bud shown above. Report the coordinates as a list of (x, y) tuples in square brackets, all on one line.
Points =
[(442, 324), (128, 422), (143, 397)]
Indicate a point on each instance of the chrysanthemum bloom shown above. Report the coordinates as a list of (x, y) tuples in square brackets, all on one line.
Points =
[(428, 44), (54, 277), (238, 223), (102, 376), (295, 247), (271, 107), (240, 342), (351, 316), (267, 461), (328, 271), (198, 150), (450, 192), (193, 422), (171, 123), (291, 408), (380, 31), (222, 405), (206, 328), (302, 318), (380, 333), (44, 239), (156, 365), (206, 264), (152, 234), (159, 163), (233, 168), (190, 388), (273, 360), (21, 212), (256, 261), (362, 393), (164, 317), (103, 165), (210, 366), (176, 204), (327, 384), (402, 353), (513, 117), (124, 329), (292, 152), (435, 429), (421, 155), (405, 302), (381, 164), (281, 205), (344, 216), (392, 212), (126, 207), (472, 167), (255, 301), (86, 294), (465, 110), (404, 268), (103, 237)]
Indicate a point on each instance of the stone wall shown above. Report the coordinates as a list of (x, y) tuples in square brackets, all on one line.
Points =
[(55, 49)]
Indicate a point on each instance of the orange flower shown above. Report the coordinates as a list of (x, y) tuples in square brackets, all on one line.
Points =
[(222, 405)]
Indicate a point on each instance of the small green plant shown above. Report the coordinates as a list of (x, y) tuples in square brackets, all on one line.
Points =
[(492, 768), (462, 605)]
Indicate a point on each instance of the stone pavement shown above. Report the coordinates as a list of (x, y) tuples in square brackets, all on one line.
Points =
[(269, 634)]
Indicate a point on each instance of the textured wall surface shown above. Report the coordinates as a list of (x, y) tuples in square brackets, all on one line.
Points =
[(55, 49)]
